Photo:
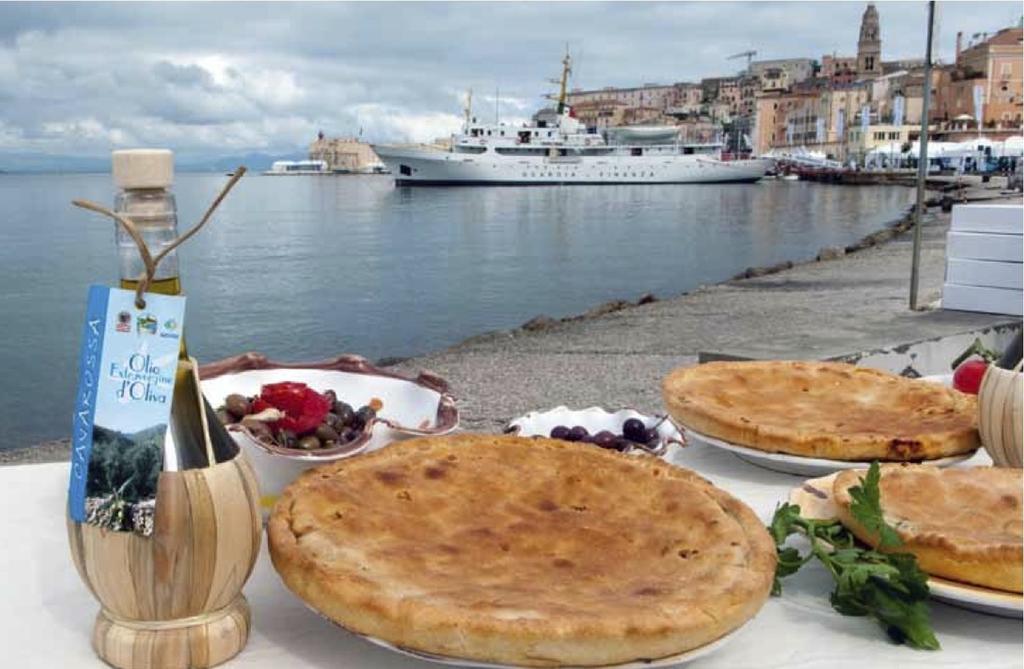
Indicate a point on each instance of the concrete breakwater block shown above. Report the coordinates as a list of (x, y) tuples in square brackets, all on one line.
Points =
[(984, 246), (1006, 219)]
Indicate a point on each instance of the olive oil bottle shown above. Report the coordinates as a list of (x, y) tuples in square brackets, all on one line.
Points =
[(195, 437)]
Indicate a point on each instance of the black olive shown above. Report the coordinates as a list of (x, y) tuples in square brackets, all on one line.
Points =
[(344, 412)]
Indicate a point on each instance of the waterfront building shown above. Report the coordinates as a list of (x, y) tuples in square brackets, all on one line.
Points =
[(839, 69), (345, 155), (598, 114), (792, 70), (655, 96), (859, 144), (687, 100), (869, 45), (867, 64), (776, 123), (993, 64), (774, 79)]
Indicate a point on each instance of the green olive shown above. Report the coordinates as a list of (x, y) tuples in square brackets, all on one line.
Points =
[(258, 429), (309, 443), (326, 433), (237, 405)]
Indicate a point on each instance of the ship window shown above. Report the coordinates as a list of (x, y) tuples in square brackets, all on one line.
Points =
[(636, 151), (520, 151), (462, 148), (404, 170), (687, 150), (488, 133), (524, 136)]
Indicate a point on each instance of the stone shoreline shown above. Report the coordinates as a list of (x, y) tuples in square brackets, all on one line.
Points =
[(845, 299)]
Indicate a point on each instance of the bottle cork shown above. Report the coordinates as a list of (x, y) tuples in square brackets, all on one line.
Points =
[(143, 168)]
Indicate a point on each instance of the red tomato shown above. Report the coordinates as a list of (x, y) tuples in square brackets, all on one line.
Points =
[(967, 377), (304, 408)]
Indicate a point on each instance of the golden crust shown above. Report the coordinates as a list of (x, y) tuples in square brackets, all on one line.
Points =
[(823, 409), (962, 524), (532, 552)]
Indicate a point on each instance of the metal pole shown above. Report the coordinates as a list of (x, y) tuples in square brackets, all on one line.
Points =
[(922, 159)]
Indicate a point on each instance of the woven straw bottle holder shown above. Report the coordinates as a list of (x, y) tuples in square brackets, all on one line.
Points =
[(173, 599), (1001, 415)]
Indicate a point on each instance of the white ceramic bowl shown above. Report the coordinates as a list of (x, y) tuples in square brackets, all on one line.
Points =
[(595, 419), (411, 407)]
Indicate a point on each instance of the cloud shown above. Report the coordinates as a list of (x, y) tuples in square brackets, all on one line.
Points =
[(210, 78)]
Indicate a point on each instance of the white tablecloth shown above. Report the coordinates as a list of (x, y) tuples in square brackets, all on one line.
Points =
[(47, 614)]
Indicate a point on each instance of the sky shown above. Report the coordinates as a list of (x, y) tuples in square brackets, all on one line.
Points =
[(215, 79)]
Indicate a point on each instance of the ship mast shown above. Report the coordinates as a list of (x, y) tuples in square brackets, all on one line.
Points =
[(469, 107), (566, 69)]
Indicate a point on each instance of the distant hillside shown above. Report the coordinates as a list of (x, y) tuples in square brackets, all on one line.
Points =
[(46, 163)]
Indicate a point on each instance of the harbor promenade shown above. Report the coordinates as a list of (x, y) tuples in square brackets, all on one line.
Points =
[(617, 354), (816, 309)]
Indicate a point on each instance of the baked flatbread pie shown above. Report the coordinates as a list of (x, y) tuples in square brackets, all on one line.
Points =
[(823, 409), (531, 552), (962, 524)]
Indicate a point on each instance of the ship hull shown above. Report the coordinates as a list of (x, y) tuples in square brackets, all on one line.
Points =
[(424, 167)]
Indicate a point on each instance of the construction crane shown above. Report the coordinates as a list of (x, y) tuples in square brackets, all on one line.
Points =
[(749, 55)]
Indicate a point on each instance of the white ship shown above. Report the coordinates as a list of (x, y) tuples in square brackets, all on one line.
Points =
[(562, 151)]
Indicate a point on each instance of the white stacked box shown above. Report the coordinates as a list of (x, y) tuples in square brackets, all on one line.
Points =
[(984, 254)]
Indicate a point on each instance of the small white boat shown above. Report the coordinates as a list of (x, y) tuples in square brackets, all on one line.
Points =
[(297, 167)]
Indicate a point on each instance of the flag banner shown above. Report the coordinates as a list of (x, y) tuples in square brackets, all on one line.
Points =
[(841, 125), (897, 110), (979, 103), (819, 130), (865, 119)]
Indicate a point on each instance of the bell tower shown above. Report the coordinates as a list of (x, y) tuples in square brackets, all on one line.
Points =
[(869, 46)]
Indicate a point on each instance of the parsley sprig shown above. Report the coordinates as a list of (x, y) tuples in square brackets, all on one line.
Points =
[(888, 587)]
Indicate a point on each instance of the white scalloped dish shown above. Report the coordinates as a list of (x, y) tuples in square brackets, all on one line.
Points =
[(596, 419), (411, 407)]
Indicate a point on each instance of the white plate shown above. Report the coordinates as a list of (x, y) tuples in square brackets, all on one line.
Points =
[(814, 497), (976, 598), (670, 661), (595, 419), (795, 464)]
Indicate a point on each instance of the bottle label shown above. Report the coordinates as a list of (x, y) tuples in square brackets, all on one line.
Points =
[(126, 373)]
